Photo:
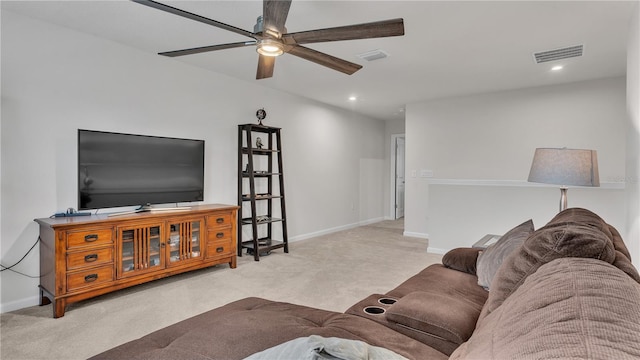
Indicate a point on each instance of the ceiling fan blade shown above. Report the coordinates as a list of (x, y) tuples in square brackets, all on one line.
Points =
[(377, 29), (192, 16), (274, 14), (324, 59), (265, 67), (206, 49)]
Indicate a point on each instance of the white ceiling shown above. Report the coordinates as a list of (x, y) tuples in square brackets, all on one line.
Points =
[(449, 47)]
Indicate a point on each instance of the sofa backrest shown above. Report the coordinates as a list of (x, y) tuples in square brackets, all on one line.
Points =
[(571, 308), (623, 257), (574, 232)]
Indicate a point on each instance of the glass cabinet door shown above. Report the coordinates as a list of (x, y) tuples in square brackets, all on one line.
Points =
[(184, 241), (140, 250)]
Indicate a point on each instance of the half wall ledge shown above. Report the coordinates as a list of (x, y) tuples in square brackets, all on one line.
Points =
[(516, 183)]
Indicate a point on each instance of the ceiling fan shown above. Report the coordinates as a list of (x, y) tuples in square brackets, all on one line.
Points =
[(271, 38)]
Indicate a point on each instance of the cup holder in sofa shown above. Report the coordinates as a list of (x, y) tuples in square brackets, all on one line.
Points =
[(374, 310), (373, 307), (387, 301)]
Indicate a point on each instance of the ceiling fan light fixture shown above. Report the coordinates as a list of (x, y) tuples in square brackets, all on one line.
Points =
[(269, 47)]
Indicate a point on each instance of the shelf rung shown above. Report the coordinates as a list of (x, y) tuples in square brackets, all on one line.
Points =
[(245, 174), (264, 197), (257, 151), (273, 244), (249, 221)]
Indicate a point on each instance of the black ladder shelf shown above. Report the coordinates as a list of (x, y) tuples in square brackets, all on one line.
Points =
[(257, 155)]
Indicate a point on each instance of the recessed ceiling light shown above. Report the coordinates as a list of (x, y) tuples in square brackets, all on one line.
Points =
[(352, 98), (556, 68)]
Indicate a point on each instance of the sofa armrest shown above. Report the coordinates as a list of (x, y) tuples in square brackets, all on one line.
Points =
[(441, 315), (462, 259)]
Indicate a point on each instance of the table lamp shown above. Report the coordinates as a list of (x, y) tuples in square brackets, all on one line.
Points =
[(565, 167)]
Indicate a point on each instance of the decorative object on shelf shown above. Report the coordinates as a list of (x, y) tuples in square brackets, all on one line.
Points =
[(262, 218), (259, 144), (261, 114), (565, 167)]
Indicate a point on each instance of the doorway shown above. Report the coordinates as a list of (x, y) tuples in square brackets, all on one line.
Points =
[(397, 176)]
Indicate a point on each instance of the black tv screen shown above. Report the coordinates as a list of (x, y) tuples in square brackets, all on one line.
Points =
[(117, 170)]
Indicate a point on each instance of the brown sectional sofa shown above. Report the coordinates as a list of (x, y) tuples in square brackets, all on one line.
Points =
[(566, 290)]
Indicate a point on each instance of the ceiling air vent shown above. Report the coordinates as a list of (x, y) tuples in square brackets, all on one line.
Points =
[(558, 54), (373, 55)]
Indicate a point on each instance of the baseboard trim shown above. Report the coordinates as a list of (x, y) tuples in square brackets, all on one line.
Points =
[(438, 251), (19, 304), (334, 229), (415, 234)]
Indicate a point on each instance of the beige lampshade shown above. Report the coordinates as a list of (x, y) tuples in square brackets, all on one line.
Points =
[(565, 167)]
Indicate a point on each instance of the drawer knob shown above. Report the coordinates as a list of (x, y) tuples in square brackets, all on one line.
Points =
[(91, 258), (220, 235), (91, 237), (220, 249), (91, 278), (220, 220)]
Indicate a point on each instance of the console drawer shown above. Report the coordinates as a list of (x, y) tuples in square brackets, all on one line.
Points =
[(93, 237), (88, 278), (219, 220), (220, 248), (89, 258), (217, 235)]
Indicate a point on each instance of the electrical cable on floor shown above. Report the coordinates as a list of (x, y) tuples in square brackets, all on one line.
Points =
[(10, 268)]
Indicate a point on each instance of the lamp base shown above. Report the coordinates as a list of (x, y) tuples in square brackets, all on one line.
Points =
[(563, 198)]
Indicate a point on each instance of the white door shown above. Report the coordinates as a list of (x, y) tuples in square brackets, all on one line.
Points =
[(399, 177)]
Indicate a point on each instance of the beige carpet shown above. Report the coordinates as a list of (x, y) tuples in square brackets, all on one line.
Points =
[(330, 272)]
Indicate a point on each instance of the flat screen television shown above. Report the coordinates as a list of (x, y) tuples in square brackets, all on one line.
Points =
[(116, 170)]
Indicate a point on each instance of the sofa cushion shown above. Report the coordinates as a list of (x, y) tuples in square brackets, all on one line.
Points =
[(489, 260), (451, 318), (462, 259), (447, 284), (622, 258), (446, 281), (571, 308), (561, 237)]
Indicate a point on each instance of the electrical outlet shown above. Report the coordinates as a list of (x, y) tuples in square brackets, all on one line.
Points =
[(426, 173)]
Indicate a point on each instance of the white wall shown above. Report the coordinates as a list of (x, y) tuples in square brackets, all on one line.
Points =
[(55, 80), (480, 149), (460, 214), (633, 138)]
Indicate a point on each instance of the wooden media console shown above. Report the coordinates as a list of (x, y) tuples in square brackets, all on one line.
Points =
[(83, 257)]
